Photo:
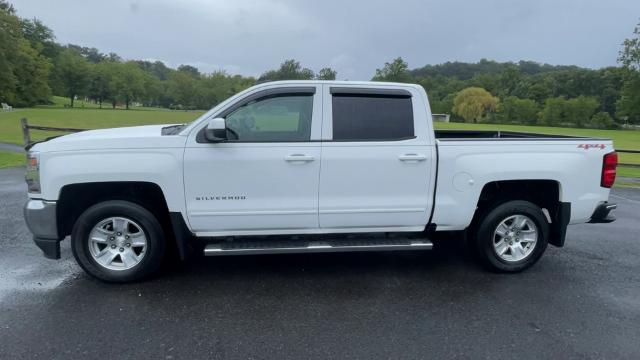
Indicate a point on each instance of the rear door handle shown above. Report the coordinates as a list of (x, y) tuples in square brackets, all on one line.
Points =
[(412, 157), (299, 157)]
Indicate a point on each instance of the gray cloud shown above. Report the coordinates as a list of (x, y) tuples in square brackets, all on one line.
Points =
[(354, 37)]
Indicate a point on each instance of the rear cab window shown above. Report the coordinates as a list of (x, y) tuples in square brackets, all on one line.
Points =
[(370, 115)]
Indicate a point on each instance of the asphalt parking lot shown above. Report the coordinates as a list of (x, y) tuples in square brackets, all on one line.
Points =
[(582, 301)]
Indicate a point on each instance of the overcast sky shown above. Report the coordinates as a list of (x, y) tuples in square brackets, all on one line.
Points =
[(353, 37)]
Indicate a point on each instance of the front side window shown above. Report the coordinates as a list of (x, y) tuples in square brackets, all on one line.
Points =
[(370, 117), (278, 118)]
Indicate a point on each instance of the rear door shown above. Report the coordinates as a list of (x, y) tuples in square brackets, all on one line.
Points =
[(376, 160), (265, 178)]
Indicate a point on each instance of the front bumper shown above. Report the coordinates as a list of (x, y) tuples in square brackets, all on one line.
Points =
[(41, 219), (602, 213)]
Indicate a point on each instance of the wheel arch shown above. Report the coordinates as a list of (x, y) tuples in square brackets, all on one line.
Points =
[(546, 194), (74, 199)]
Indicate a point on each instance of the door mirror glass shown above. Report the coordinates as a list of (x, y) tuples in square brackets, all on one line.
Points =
[(216, 130)]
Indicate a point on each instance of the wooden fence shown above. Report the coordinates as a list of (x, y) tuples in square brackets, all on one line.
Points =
[(629, 152), (26, 135)]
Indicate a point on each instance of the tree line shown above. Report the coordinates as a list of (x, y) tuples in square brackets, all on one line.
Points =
[(528, 92), (33, 67)]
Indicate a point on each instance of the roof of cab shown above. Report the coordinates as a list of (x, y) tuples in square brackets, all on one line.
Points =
[(340, 83)]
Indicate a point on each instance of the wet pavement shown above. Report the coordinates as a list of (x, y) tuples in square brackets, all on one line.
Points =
[(11, 147), (582, 301)]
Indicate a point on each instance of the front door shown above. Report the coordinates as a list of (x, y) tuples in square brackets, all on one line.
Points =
[(265, 178)]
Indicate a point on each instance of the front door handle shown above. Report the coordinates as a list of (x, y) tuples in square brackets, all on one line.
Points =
[(299, 157), (412, 157)]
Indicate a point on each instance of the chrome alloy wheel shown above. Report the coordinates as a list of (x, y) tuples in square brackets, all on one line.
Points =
[(515, 238), (117, 243)]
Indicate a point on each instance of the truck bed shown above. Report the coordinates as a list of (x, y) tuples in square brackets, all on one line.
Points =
[(497, 134), (468, 160)]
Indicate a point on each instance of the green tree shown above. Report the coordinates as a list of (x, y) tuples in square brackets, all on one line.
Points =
[(40, 37), (488, 82), (629, 56), (7, 7), (611, 83), (113, 57), (515, 110), (72, 73), (473, 104), (578, 111), (188, 69), (509, 80), (157, 69), (9, 39), (128, 83), (23, 70), (395, 71), (628, 106), (218, 86), (289, 70), (33, 75), (92, 54), (326, 74), (553, 112), (537, 88), (152, 90), (601, 120), (573, 112), (182, 90), (102, 85), (442, 106)]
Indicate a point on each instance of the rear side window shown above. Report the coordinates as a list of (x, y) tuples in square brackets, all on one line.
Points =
[(372, 117)]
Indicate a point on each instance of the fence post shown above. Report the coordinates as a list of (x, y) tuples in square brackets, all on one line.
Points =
[(25, 131)]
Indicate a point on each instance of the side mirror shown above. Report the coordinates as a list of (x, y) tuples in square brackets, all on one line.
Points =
[(216, 130)]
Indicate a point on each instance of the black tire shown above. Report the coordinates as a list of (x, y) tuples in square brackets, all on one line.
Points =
[(483, 242), (155, 241)]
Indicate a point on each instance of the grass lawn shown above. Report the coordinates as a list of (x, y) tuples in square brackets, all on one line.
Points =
[(622, 139), (10, 131), (8, 159)]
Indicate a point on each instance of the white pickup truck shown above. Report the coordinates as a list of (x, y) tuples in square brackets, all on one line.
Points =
[(332, 166)]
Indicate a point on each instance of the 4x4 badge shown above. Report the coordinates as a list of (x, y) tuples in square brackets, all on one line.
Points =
[(592, 146)]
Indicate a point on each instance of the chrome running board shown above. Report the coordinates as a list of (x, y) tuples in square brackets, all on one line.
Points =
[(297, 246)]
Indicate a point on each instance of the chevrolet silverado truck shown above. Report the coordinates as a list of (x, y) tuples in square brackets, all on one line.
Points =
[(310, 166)]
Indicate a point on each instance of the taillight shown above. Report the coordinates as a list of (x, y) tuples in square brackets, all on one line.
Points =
[(609, 163)]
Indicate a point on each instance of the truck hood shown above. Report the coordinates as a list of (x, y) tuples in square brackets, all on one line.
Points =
[(135, 137)]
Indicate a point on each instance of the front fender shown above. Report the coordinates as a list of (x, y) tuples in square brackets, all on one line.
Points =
[(160, 166)]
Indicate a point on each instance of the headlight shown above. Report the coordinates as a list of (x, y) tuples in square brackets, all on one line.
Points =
[(33, 172)]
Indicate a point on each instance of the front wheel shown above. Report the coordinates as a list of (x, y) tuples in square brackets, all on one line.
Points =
[(118, 241), (512, 236)]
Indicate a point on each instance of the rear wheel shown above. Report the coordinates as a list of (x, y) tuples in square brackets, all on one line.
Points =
[(512, 236), (118, 241)]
